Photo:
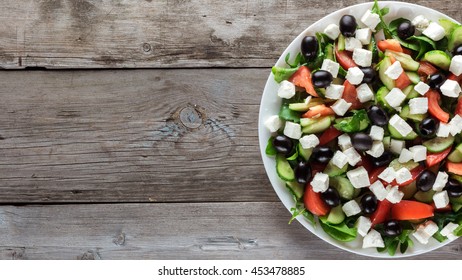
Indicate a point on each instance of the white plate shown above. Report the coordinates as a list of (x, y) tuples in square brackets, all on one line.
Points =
[(270, 104)]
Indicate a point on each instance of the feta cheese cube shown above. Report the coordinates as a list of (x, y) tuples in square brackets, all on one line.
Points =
[(370, 19), (373, 240), (400, 125), (351, 43), (418, 105), (340, 107), (450, 88), (364, 35), (339, 159), (286, 89), (421, 236), (309, 141), (403, 175), (441, 199), (334, 91), (419, 153), (362, 57), (455, 125), (443, 130), (440, 181), (395, 97), (293, 130), (405, 156), (376, 133), (344, 142), (394, 195), (378, 190), (273, 123), (449, 229), (396, 146), (330, 66), (320, 182), (377, 149), (456, 65), (452, 236), (332, 31), (430, 228), (351, 208), (420, 23), (363, 225), (434, 31), (353, 156), (388, 175), (394, 71), (359, 177), (364, 93), (354, 75), (422, 88)]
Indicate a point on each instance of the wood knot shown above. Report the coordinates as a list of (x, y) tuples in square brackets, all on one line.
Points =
[(147, 48), (119, 240), (191, 117)]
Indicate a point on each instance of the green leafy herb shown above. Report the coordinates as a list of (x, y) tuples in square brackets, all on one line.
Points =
[(340, 232), (382, 25), (392, 244), (270, 149), (281, 73), (317, 62), (359, 121), (300, 209), (296, 62), (294, 156), (289, 115)]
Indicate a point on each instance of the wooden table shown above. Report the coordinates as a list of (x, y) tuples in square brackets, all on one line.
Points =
[(156, 156)]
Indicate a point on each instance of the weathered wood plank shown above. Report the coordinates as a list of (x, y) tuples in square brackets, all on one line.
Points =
[(146, 33), (166, 231), (131, 136)]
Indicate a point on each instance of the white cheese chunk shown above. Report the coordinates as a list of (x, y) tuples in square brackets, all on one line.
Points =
[(430, 228), (331, 67), (293, 130), (395, 195), (320, 182), (351, 208), (434, 31), (405, 156), (440, 181), (443, 130), (332, 31), (376, 133), (450, 88), (339, 159), (364, 35), (422, 88), (418, 105), (377, 149), (394, 70), (334, 91), (388, 175), (403, 175), (456, 65), (455, 125), (425, 231), (378, 190), (373, 240), (363, 224), (344, 142), (273, 123), (359, 177), (395, 97), (354, 75), (309, 141), (286, 89), (449, 229), (340, 107), (400, 125), (352, 155), (441, 199), (419, 153), (362, 57), (364, 93), (396, 146), (351, 43), (420, 23), (421, 236), (370, 19)]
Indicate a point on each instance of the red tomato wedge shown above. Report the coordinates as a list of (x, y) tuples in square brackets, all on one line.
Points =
[(447, 208), (302, 78), (389, 44), (426, 69), (350, 95), (345, 59), (328, 135), (459, 107), (434, 106), (403, 81), (314, 203), (414, 174), (382, 213), (435, 158), (455, 168), (374, 174), (411, 210), (455, 78), (319, 111)]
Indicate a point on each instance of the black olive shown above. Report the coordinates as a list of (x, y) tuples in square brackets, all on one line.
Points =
[(302, 172), (369, 74), (425, 181), (309, 47), (322, 154), (382, 160), (436, 80), (331, 197), (377, 115), (457, 50), (369, 203), (322, 78), (348, 26), (454, 188), (428, 127), (406, 30), (361, 141), (283, 144), (392, 228)]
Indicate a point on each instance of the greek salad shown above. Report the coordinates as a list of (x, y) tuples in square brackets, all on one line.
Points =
[(368, 137)]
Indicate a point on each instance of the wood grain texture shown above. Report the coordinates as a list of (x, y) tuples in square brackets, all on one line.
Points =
[(131, 136), (160, 34), (166, 231)]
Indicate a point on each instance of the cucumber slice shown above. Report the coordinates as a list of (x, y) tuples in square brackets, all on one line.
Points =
[(405, 114), (407, 62), (386, 142), (283, 168), (373, 48), (457, 200), (410, 92), (438, 58), (329, 52), (396, 135), (413, 76), (448, 26), (426, 197), (336, 215), (387, 81), (343, 186), (380, 98), (316, 125), (304, 153), (341, 42), (456, 155), (332, 170), (409, 190), (438, 144), (302, 107), (398, 165), (456, 207), (296, 189), (455, 39)]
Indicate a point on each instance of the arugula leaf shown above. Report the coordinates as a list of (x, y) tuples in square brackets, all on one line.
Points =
[(340, 232), (359, 121), (281, 73), (296, 62), (287, 114), (300, 209), (392, 244), (270, 149), (382, 25)]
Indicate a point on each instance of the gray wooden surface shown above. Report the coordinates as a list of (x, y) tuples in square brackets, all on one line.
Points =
[(159, 162)]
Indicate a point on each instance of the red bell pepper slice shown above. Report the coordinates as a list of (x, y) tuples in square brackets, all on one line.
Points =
[(426, 69), (434, 106), (435, 158), (350, 95), (345, 59), (319, 111), (302, 78), (382, 213), (328, 135), (389, 44), (411, 210), (314, 203), (455, 168)]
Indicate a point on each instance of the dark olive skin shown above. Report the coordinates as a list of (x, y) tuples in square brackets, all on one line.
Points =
[(321, 78), (331, 197), (377, 115), (283, 145), (348, 25), (428, 127), (436, 80), (369, 203), (457, 50), (453, 187), (309, 47), (382, 160), (405, 30), (425, 181), (302, 172), (322, 154), (361, 141), (392, 228), (369, 74)]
